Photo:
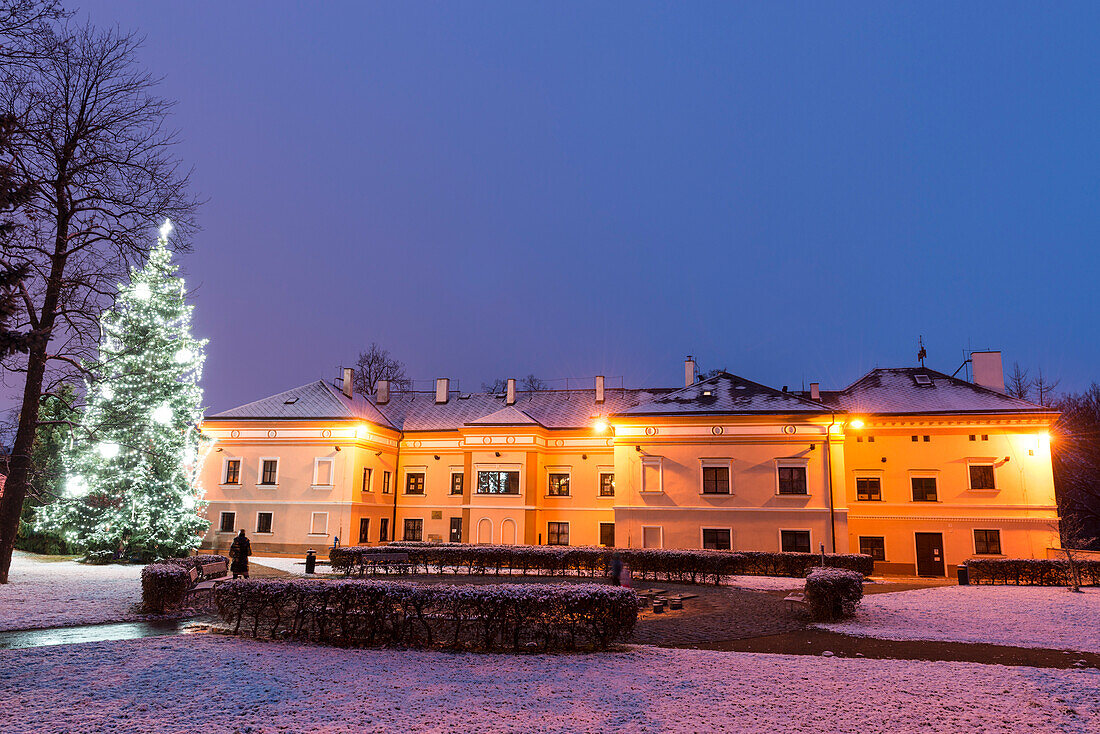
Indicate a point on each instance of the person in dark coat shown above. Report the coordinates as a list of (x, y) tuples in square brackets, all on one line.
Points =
[(239, 553), (616, 568)]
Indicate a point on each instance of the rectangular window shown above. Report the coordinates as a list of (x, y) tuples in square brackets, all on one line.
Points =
[(651, 474), (794, 541), (987, 542), (232, 471), (981, 476), (383, 530), (457, 480), (716, 480), (366, 478), (226, 522), (322, 472), (414, 529), (927, 439), (414, 483), (607, 484), (869, 489), (874, 547), (717, 539), (792, 480), (385, 482), (498, 482), (263, 522), (318, 523), (559, 485), (924, 489), (607, 534), (269, 471), (557, 533), (364, 530)]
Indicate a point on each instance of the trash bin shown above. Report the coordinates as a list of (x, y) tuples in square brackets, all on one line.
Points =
[(311, 561), (964, 576)]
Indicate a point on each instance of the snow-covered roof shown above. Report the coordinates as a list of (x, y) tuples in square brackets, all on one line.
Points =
[(507, 416), (918, 390), (728, 395), (317, 400)]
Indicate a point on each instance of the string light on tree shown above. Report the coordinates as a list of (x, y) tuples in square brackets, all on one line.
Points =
[(133, 470)]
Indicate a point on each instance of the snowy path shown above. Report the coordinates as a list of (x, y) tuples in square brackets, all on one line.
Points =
[(1023, 616), (164, 684), (51, 593)]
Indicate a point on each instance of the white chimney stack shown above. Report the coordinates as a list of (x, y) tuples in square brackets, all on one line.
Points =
[(599, 388), (815, 391), (442, 388), (348, 382), (382, 392), (689, 371), (510, 397), (987, 370)]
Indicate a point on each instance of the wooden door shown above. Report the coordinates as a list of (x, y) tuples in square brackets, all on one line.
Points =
[(456, 529), (930, 554)]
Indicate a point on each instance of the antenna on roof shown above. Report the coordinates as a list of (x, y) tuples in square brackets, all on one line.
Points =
[(921, 351)]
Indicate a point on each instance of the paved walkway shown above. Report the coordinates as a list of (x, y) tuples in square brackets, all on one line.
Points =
[(717, 613)]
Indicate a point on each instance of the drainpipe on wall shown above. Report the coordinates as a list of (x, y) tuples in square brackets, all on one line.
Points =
[(829, 481), (393, 522)]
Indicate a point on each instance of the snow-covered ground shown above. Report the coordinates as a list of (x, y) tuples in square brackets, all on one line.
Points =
[(1023, 616), (43, 592), (218, 684), (296, 566)]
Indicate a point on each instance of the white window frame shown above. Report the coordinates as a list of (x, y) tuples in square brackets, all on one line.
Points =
[(477, 468), (870, 474), (423, 528), (260, 471), (978, 461), (257, 525), (405, 482), (313, 527), (885, 555), (652, 461), (451, 482), (927, 474), (780, 531), (789, 463), (225, 471), (719, 463), (600, 471), (599, 533), (370, 480), (1000, 542), (317, 461), (727, 529), (568, 472), (221, 517), (661, 534), (568, 533)]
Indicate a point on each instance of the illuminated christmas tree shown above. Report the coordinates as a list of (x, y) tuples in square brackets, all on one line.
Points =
[(132, 470)]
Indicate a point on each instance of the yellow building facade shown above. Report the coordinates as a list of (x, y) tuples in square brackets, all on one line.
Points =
[(916, 468)]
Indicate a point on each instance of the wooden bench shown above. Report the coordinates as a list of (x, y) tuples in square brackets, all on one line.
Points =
[(212, 573), (796, 602)]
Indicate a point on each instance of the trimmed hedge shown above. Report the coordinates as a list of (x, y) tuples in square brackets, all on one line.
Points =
[(163, 585), (368, 613), (685, 566), (1030, 571), (196, 562), (833, 593)]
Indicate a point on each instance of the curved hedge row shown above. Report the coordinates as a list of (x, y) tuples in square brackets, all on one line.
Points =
[(164, 584), (1031, 571), (687, 566), (367, 613)]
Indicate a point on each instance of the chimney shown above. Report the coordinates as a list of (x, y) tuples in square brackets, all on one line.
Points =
[(815, 391), (689, 371), (382, 392), (441, 388), (347, 382), (599, 388), (510, 398), (987, 370)]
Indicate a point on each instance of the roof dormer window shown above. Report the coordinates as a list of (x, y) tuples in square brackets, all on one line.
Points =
[(923, 380), (291, 400)]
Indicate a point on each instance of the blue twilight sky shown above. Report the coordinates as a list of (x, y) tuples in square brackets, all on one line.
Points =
[(792, 191)]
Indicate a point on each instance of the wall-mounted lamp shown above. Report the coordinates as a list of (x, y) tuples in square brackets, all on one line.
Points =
[(336, 447), (813, 447), (218, 450), (377, 453), (437, 457), (638, 449), (498, 453), (883, 459), (584, 457)]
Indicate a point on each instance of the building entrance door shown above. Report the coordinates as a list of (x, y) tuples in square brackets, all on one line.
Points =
[(456, 529), (930, 554)]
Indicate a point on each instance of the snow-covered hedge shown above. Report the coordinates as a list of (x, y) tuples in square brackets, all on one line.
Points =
[(369, 613), (196, 562), (163, 586), (1031, 571), (691, 566), (833, 593)]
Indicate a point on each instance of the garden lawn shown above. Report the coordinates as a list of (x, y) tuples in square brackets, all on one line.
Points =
[(214, 684), (1022, 616), (45, 592)]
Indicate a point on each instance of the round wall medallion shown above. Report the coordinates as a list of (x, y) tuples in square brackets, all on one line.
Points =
[(789, 430), (558, 442), (511, 439), (416, 444), (651, 431), (326, 433), (272, 434), (717, 430), (234, 433), (487, 439), (610, 442)]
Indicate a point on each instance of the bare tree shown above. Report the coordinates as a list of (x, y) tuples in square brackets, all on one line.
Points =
[(26, 30), (93, 141), (1075, 452), (533, 384), (1076, 539), (376, 364), (496, 387), (1019, 384), (1044, 389)]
